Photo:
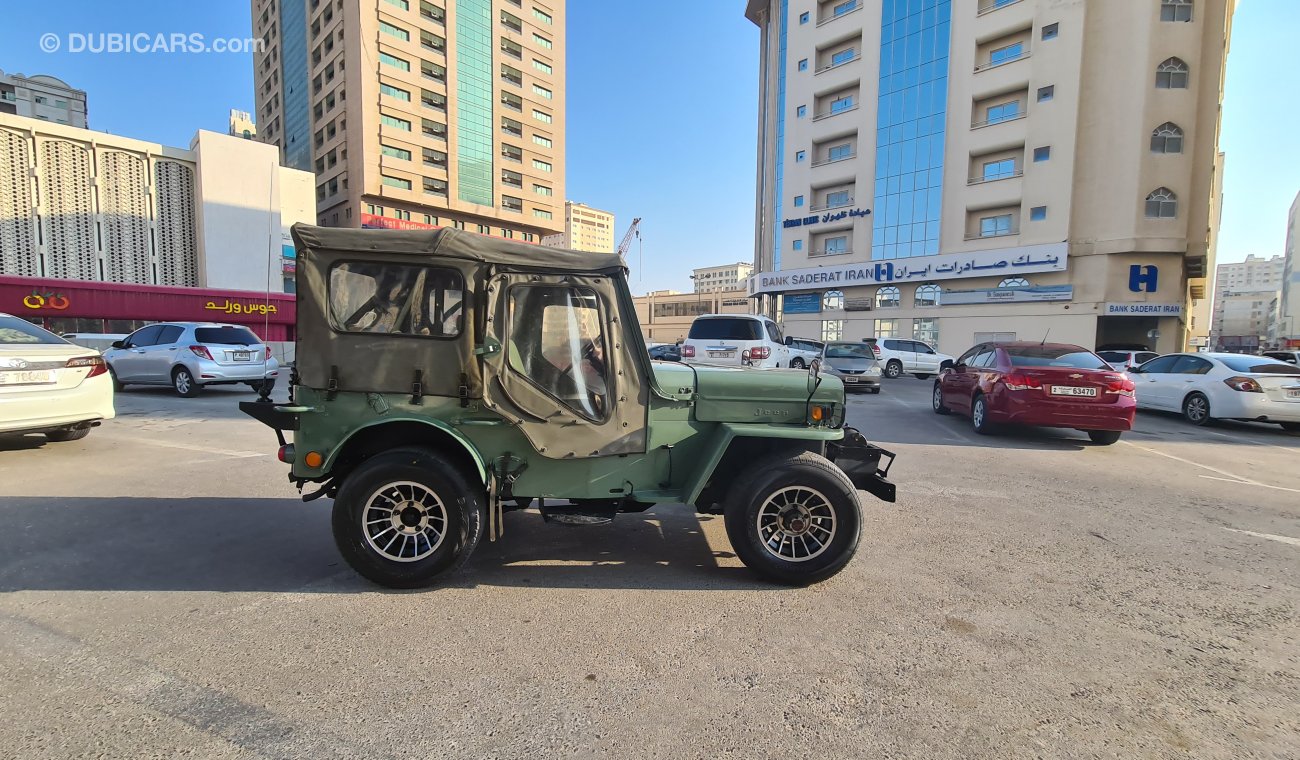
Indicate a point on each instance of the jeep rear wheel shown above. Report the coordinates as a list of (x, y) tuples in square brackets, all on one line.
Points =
[(405, 517), (796, 520)]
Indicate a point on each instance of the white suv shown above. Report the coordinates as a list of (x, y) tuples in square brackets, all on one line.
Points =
[(900, 356), (749, 340)]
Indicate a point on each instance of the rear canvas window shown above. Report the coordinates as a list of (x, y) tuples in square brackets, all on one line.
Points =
[(15, 331), (1049, 356), (726, 329), (396, 299), (228, 336), (1257, 364)]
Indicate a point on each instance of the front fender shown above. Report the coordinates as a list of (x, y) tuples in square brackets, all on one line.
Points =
[(728, 432)]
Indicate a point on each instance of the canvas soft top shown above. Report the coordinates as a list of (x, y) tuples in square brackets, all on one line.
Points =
[(454, 244)]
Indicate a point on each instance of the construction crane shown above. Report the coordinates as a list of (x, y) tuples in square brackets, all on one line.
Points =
[(627, 239)]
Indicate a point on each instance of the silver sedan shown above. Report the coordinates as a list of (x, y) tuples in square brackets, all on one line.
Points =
[(853, 363)]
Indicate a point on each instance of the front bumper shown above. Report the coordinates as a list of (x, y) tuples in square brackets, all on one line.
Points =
[(861, 461), (858, 382)]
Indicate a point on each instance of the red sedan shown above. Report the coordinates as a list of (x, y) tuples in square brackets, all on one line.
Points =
[(1043, 384)]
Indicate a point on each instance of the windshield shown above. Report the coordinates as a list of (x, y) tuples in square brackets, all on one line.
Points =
[(230, 336), (726, 329), (849, 351), (1258, 364), (1054, 356), (15, 331)]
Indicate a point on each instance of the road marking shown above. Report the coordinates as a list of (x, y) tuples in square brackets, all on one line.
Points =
[(1288, 449), (1252, 483), (1269, 536), (947, 432), (194, 447)]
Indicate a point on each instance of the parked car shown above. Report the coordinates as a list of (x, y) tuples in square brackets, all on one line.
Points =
[(805, 350), (750, 340), (1211, 386), (1042, 384), (190, 355), (48, 385), (853, 363), (668, 352), (1290, 357), (899, 356), (1126, 359)]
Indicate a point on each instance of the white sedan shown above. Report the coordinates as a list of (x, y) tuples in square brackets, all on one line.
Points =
[(1207, 387), (48, 385)]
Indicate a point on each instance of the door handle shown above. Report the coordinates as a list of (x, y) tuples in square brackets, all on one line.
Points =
[(137, 350)]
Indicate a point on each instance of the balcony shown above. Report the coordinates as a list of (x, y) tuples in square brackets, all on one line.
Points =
[(1000, 234), (988, 6), (516, 131), (513, 26), (512, 50), (993, 64), (516, 81), (833, 112), (833, 204), (986, 180), (513, 157), (513, 181), (840, 10), (844, 62), (817, 254), (1002, 120), (512, 105), (826, 161)]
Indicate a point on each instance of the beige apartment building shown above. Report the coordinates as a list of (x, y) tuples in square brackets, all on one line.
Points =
[(1245, 293), (419, 113), (724, 277), (990, 169), (666, 315), (43, 97), (585, 229), (1284, 330)]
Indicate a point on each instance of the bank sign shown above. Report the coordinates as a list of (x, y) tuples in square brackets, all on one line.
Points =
[(1144, 310), (1003, 262)]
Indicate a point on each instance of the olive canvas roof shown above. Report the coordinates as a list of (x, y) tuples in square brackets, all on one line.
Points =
[(455, 244)]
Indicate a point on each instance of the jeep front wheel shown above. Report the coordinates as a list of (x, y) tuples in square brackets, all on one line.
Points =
[(796, 520), (405, 517)]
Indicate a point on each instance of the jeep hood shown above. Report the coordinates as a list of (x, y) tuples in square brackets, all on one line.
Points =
[(745, 394)]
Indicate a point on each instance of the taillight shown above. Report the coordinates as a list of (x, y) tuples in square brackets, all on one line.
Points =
[(96, 364), (1243, 384), (745, 355), (875, 347), (201, 352), (760, 352), (688, 350), (1018, 382), (1121, 386), (286, 453), (267, 357)]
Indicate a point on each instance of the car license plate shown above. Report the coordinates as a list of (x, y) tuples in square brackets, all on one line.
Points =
[(850, 379), (242, 356), (30, 377), (1293, 393), (721, 354), (1072, 390)]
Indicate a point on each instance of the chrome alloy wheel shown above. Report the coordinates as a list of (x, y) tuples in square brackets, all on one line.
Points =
[(1197, 408), (404, 521), (796, 523)]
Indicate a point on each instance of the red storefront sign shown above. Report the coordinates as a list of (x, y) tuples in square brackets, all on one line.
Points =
[(373, 222), (270, 316)]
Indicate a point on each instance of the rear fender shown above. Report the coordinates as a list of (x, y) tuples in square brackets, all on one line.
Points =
[(406, 431)]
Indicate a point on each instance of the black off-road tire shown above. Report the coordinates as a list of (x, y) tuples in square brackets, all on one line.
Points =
[(769, 477), (184, 383), (1196, 409), (61, 436), (936, 400), (894, 369), (464, 505), (979, 415), (1104, 437)]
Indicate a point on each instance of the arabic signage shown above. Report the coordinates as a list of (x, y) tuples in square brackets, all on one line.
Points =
[(39, 300), (829, 216), (1144, 310), (1006, 262), (237, 307), (802, 303), (1008, 295)]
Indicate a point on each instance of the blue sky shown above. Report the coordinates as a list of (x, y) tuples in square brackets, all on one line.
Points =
[(661, 118)]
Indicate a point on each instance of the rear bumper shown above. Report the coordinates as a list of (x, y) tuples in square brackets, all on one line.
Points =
[(1255, 406), (37, 411), (208, 373), (1046, 412), (861, 461)]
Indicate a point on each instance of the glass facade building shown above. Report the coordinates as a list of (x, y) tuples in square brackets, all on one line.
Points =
[(780, 135), (293, 71), (474, 101), (913, 95)]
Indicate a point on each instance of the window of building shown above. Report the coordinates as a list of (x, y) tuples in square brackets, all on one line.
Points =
[(799, 156), (1037, 213), (545, 142), (840, 104), (803, 17), (926, 330), (394, 92), (844, 56), (798, 201), (838, 198), (1172, 74), (999, 169), (1051, 31), (541, 165), (888, 296), (886, 328), (393, 121), (928, 295), (542, 66), (803, 64), (832, 329), (394, 31), (1162, 204), (833, 299), (1042, 154), (994, 226), (394, 61), (797, 245), (541, 213), (541, 15), (541, 41), (542, 116), (1167, 138), (401, 153), (398, 182), (403, 4), (800, 112), (1046, 93), (1014, 282), (541, 189), (836, 245), (1003, 112), (844, 7), (1175, 10), (542, 91), (840, 152), (1006, 54)]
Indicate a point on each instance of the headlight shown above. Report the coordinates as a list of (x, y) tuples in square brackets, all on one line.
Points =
[(873, 371)]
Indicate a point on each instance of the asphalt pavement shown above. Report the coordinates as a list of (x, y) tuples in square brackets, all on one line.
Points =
[(164, 593)]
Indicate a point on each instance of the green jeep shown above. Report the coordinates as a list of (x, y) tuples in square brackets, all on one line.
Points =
[(444, 377)]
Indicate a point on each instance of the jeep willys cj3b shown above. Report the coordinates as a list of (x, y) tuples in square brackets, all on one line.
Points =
[(445, 377)]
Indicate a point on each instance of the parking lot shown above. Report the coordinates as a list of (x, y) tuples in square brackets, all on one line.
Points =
[(164, 592)]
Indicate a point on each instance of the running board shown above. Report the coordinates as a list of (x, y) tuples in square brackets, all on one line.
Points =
[(577, 515)]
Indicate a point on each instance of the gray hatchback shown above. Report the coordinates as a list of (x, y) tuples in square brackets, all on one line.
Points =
[(190, 355)]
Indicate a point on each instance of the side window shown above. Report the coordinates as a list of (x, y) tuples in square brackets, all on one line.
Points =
[(555, 341), (169, 335), (921, 348), (1112, 356), (968, 357), (984, 358), (1191, 365), (892, 345), (1162, 365), (397, 299), (145, 336), (772, 333)]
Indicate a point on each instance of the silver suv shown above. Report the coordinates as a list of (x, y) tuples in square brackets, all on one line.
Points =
[(190, 355)]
